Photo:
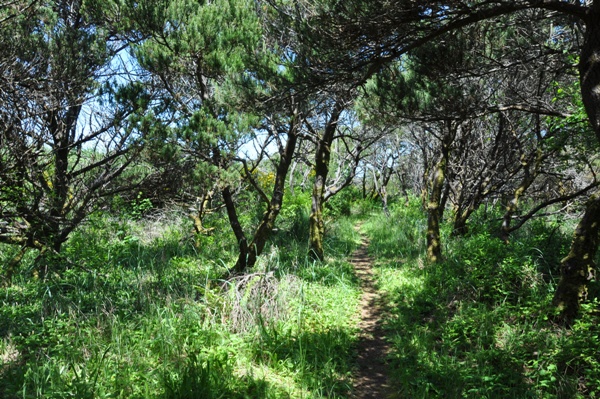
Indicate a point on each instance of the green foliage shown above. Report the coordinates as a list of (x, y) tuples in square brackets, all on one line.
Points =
[(293, 218), (139, 307), (479, 325), (292, 231), (399, 236), (199, 49), (66, 139), (140, 206), (341, 203), (142, 311)]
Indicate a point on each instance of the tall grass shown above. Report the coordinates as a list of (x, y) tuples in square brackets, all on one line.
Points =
[(479, 325), (140, 308)]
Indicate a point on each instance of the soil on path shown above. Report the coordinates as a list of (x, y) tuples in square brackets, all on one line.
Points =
[(370, 380)]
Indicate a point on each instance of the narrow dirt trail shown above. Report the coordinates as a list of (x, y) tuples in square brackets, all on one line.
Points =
[(370, 380)]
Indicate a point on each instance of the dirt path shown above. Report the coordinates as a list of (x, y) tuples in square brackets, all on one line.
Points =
[(370, 380)]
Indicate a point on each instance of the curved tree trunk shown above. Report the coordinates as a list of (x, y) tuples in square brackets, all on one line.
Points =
[(513, 204), (197, 216), (578, 268), (424, 182), (589, 67), (459, 226), (511, 208), (463, 214), (322, 158), (234, 222), (445, 196), (264, 229)]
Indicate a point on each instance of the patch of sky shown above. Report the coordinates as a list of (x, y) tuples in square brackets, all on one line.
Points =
[(120, 70)]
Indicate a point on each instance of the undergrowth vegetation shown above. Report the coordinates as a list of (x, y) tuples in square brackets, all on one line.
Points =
[(480, 325), (137, 307)]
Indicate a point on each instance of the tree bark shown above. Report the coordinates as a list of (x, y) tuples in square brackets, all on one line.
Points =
[(511, 208), (513, 204), (322, 158), (434, 245), (578, 267), (459, 227), (445, 196), (589, 67), (197, 216), (249, 252), (58, 183), (263, 232), (234, 222), (425, 179)]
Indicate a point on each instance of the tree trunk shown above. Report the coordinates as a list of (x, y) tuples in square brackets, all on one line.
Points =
[(291, 183), (197, 216), (513, 204), (234, 222), (461, 216), (322, 158), (589, 67), (263, 232), (511, 208), (384, 200), (316, 225), (445, 196), (459, 227), (578, 268), (364, 184), (424, 185), (249, 252), (434, 246), (58, 184), (316, 231), (387, 176)]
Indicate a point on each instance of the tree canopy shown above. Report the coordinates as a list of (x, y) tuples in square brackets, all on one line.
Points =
[(215, 105)]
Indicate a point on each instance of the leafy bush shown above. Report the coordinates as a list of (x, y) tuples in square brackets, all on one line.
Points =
[(293, 218), (342, 203)]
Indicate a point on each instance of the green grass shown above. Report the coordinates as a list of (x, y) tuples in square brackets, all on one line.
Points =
[(139, 308), (478, 325)]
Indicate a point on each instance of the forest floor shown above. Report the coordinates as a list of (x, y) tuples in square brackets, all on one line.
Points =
[(370, 380)]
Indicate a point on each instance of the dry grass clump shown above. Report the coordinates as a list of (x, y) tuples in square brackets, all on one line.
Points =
[(259, 299)]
